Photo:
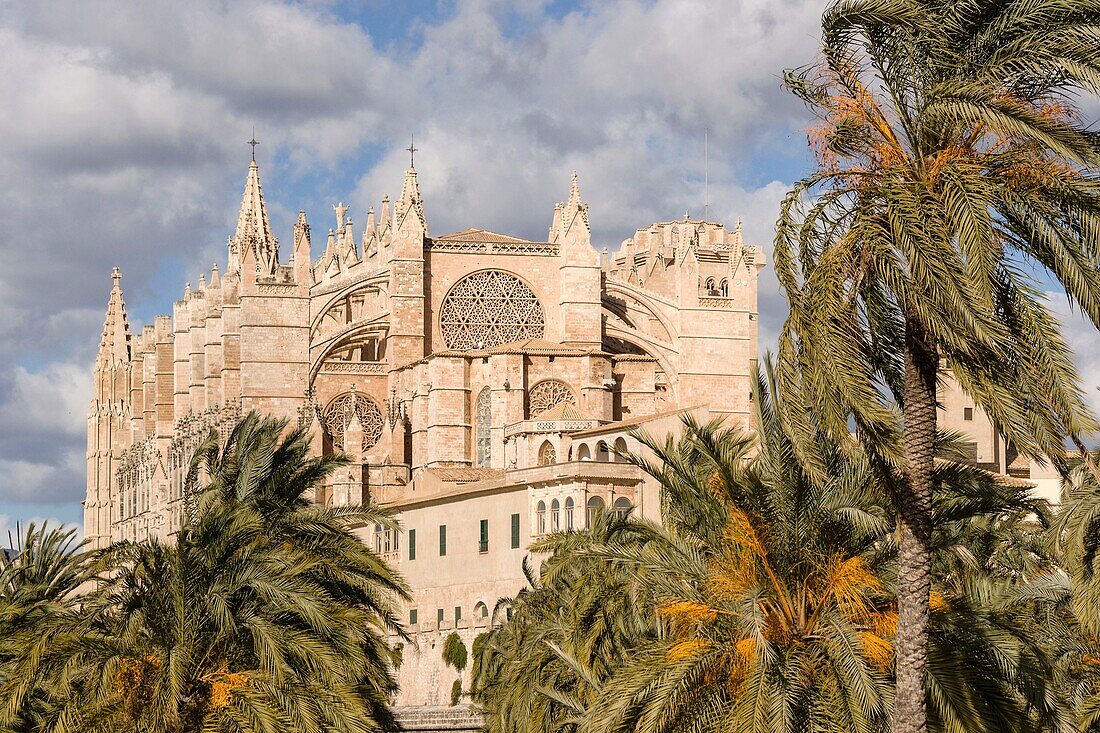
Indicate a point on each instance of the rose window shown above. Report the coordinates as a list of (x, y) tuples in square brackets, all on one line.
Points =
[(548, 395), (487, 309), (338, 415)]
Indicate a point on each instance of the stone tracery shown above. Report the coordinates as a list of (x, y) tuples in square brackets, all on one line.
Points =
[(490, 308), (547, 395), (338, 415)]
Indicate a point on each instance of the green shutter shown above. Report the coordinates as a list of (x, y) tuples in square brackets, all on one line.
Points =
[(483, 542), (412, 544), (412, 617), (515, 531), (442, 540)]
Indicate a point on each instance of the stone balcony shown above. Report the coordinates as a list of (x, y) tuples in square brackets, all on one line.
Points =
[(574, 470), (434, 719)]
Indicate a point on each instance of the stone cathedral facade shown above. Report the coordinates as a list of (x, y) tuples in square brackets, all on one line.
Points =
[(483, 385)]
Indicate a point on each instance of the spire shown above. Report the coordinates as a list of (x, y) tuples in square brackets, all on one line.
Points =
[(384, 221), (574, 193), (409, 209), (574, 215), (351, 254), (114, 344), (215, 281), (302, 256), (253, 228)]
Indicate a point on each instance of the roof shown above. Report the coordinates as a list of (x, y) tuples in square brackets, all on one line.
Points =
[(465, 474), (536, 346), (633, 422), (564, 411), (473, 234)]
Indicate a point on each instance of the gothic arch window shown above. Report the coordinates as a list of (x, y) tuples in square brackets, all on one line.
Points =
[(569, 514), (487, 309), (338, 415), (555, 516), (710, 286), (547, 395), (547, 454), (540, 517), (622, 507), (595, 506), (483, 421), (724, 288)]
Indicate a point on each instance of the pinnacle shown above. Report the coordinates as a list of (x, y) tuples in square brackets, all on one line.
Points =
[(114, 344), (253, 226)]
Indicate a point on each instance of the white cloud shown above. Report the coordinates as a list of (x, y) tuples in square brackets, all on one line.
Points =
[(123, 134)]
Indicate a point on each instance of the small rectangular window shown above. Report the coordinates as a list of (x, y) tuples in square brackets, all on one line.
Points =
[(439, 615), (515, 531), (412, 617), (412, 544), (442, 540), (458, 614), (483, 540), (968, 413)]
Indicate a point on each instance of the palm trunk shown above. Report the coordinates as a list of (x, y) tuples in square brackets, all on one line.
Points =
[(915, 513)]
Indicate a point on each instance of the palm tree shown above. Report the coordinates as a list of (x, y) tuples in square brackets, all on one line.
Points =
[(765, 600), (40, 580), (266, 614), (955, 182), (1075, 537)]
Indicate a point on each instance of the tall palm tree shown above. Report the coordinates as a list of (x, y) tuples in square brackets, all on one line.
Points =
[(266, 614), (955, 183), (765, 601)]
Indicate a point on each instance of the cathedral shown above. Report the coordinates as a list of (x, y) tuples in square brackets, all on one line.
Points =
[(484, 386)]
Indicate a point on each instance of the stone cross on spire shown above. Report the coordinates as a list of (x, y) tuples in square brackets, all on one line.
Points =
[(253, 142), (412, 150)]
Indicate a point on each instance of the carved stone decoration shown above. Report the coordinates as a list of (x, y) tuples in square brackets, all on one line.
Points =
[(482, 425), (338, 415), (547, 455), (547, 395), (490, 308)]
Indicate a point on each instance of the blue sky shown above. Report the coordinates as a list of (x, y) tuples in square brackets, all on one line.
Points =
[(124, 129)]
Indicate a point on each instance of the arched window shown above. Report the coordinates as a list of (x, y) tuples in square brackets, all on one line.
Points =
[(378, 538), (724, 288), (569, 514), (622, 507), (595, 506), (547, 454), (481, 610), (584, 453), (620, 449), (547, 395), (555, 516), (603, 453), (487, 309), (540, 517), (483, 421), (710, 286)]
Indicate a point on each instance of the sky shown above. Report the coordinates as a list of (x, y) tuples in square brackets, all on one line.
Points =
[(124, 130)]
